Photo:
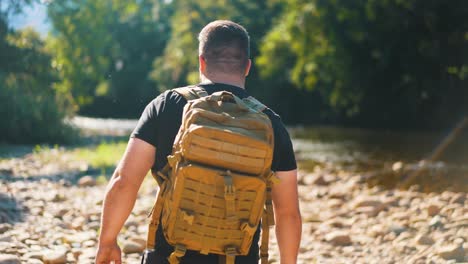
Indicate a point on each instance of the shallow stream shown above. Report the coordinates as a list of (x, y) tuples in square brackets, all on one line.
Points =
[(385, 157)]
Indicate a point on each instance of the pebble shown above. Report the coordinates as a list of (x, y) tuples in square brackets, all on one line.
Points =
[(397, 166), (458, 198), (344, 221), (86, 181), (433, 209), (397, 229), (424, 240), (456, 252), (4, 227), (9, 259), (33, 255), (338, 238), (436, 221), (55, 257), (130, 247)]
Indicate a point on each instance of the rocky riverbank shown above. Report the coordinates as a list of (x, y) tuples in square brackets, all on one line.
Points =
[(49, 217)]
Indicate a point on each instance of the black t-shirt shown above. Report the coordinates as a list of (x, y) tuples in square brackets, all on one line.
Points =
[(158, 126)]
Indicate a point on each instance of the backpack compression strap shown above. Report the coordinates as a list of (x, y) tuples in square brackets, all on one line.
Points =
[(254, 104), (155, 213), (191, 92)]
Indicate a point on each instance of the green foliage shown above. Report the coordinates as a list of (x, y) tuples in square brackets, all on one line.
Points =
[(31, 109), (385, 63), (389, 63), (179, 64), (104, 51), (103, 156)]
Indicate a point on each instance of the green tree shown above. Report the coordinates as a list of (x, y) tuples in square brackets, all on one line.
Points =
[(381, 63), (104, 51), (32, 110), (179, 63)]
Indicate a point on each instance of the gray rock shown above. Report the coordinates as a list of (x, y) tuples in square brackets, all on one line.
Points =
[(9, 259), (456, 252), (4, 227), (130, 247), (34, 261), (33, 255), (458, 198), (424, 240), (338, 239), (6, 238), (86, 181), (397, 229)]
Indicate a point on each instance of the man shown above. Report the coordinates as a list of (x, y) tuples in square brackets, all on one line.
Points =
[(223, 65)]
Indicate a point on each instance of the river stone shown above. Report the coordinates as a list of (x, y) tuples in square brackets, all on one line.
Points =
[(89, 243), (34, 261), (55, 257), (397, 229), (86, 181), (130, 247), (33, 255), (4, 227), (9, 259), (338, 238), (397, 166), (436, 221), (433, 209), (6, 238), (458, 198), (315, 179), (368, 202), (424, 240), (456, 252)]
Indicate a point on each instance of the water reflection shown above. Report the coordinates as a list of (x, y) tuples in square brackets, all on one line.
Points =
[(388, 157)]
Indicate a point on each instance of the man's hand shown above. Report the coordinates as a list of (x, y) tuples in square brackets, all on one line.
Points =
[(107, 254)]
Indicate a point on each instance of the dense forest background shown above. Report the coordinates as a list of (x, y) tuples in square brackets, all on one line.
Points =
[(364, 63)]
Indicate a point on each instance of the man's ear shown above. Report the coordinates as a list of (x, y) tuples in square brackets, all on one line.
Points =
[(201, 64), (247, 69)]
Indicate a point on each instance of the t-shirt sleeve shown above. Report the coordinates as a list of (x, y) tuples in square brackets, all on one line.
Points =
[(147, 126), (283, 154)]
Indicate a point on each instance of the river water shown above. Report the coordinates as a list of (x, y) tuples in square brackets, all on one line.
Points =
[(385, 157)]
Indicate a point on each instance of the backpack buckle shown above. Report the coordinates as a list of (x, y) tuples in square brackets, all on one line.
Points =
[(230, 197)]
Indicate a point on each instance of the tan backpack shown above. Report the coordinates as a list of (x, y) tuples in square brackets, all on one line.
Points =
[(216, 186)]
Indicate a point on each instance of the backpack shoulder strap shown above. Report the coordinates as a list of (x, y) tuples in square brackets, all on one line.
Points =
[(191, 92), (254, 104)]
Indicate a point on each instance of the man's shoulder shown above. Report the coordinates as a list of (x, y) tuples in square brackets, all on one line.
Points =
[(167, 98)]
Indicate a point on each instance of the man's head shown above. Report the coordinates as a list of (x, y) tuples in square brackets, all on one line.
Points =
[(224, 48)]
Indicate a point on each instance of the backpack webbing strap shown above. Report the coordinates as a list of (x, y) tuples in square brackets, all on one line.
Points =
[(268, 220), (231, 255), (155, 216), (179, 252), (265, 238), (191, 92), (254, 104)]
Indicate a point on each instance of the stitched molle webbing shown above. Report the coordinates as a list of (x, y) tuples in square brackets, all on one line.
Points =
[(220, 170)]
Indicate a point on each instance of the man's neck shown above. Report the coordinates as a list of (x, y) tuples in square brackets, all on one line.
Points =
[(224, 79)]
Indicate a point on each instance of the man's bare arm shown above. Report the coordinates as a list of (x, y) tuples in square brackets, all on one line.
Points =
[(287, 216), (123, 187)]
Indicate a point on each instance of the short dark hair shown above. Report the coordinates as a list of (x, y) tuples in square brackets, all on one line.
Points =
[(225, 45)]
